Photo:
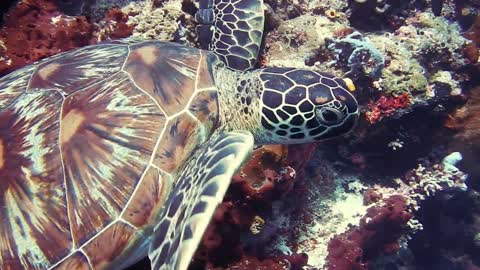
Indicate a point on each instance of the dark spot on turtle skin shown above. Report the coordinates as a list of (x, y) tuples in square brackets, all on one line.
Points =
[(175, 204), (245, 110), (306, 106), (235, 61), (297, 120), (297, 136), (272, 99), (329, 82), (281, 132), (175, 245), (161, 233), (237, 50), (283, 126), (304, 77), (187, 233), (243, 82), (317, 131), (228, 9), (295, 95), (290, 109), (199, 207), (243, 25), (222, 51), (222, 45), (230, 25), (164, 253), (280, 83), (227, 39), (243, 100), (249, 100), (309, 115), (181, 217), (282, 114), (312, 123), (243, 38), (270, 115), (252, 47), (266, 125)]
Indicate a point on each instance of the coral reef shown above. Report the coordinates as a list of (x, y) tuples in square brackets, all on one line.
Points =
[(243, 221), (390, 215), (44, 31), (377, 234), (466, 123), (154, 19), (359, 54)]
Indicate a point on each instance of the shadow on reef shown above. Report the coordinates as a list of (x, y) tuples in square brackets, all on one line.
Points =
[(374, 15), (395, 145), (449, 239)]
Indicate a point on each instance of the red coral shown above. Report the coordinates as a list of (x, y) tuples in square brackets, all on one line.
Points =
[(372, 195), (35, 29), (114, 25), (377, 233), (386, 106)]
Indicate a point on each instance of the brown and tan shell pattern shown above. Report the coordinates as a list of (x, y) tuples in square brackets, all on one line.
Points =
[(90, 142)]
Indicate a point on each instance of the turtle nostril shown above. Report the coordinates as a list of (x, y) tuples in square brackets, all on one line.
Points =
[(329, 115)]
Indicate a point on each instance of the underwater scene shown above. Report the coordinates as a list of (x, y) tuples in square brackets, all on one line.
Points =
[(240, 134)]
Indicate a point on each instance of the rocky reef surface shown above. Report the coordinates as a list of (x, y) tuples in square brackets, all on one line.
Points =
[(401, 192)]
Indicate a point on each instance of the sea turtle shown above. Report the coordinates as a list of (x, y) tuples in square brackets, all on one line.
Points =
[(118, 150)]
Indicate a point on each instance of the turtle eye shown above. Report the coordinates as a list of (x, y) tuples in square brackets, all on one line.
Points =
[(329, 116)]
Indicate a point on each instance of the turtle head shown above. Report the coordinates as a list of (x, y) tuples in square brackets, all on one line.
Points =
[(300, 105)]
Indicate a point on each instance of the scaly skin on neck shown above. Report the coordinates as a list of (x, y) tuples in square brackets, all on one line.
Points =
[(239, 98)]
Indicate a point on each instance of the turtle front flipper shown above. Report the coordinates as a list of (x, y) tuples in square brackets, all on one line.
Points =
[(232, 29), (197, 192)]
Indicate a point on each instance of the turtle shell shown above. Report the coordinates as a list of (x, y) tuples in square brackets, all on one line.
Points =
[(90, 143)]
